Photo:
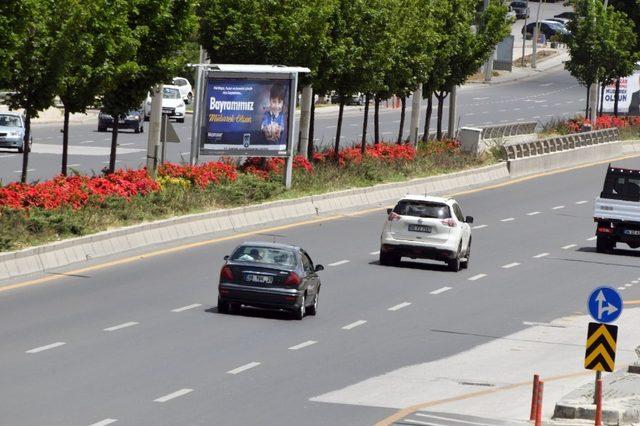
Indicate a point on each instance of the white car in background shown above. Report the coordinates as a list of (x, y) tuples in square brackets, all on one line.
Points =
[(423, 227), (172, 104), (185, 89)]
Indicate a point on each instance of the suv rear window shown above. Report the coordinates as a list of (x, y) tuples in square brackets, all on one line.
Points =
[(622, 186), (422, 209)]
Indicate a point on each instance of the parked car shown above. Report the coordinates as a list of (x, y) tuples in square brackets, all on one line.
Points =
[(269, 275), (185, 89), (424, 227), (355, 99), (12, 131), (563, 21), (548, 28), (511, 14), (133, 120), (520, 8), (566, 15), (172, 104)]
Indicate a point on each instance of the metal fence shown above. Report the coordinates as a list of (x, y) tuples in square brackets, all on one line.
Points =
[(560, 143), (511, 129)]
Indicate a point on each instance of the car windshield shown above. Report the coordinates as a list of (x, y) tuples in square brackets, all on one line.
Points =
[(518, 4), (170, 93), (556, 25), (268, 255), (10, 121), (180, 82), (422, 209)]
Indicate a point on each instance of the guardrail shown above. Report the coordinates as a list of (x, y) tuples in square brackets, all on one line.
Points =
[(560, 143), (511, 129)]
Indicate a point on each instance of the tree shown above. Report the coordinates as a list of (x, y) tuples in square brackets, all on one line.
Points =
[(36, 66), (632, 9), (93, 36)]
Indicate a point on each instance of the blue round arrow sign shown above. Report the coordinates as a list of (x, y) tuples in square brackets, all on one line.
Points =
[(605, 304)]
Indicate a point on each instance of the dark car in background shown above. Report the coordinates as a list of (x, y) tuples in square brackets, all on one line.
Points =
[(355, 99), (548, 28), (134, 119), (566, 15), (520, 8), (271, 276)]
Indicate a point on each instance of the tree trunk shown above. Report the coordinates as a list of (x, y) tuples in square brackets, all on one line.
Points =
[(376, 121), (310, 148), (114, 144), (339, 128), (65, 141), (615, 102), (403, 98), (365, 122), (440, 98), (586, 113), (427, 118), (26, 147), (602, 86)]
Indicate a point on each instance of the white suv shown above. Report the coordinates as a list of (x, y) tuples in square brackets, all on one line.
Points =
[(427, 228)]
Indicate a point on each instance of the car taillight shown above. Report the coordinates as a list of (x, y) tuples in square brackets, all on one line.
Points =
[(449, 222), (292, 279), (604, 230), (226, 273), (394, 216)]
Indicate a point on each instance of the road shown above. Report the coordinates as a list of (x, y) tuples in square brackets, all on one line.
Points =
[(545, 97), (143, 344)]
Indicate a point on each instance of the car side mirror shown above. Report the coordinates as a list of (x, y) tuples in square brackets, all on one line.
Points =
[(319, 268), (469, 219), (226, 257), (389, 211)]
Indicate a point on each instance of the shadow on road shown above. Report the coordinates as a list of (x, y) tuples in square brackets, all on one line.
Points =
[(411, 264), (251, 312)]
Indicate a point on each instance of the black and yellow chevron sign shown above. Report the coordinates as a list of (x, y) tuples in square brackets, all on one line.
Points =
[(601, 347)]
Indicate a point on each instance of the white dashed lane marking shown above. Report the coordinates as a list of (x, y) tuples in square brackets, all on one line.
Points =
[(121, 326), (622, 288), (354, 325), (557, 208), (44, 348), (581, 202), (243, 368), (509, 219), (510, 265), (303, 345), (477, 277), (533, 213), (399, 306), (440, 290), (478, 226), (569, 246), (338, 263), (173, 395), (104, 422), (186, 308), (538, 256), (628, 285), (592, 238)]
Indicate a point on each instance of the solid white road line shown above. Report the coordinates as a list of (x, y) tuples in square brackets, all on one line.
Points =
[(120, 326), (243, 368), (44, 348), (354, 325), (417, 422), (510, 265), (7, 156), (557, 208), (375, 253), (87, 141), (533, 213), (338, 263), (581, 202), (483, 98), (186, 308), (73, 165), (567, 247), (431, 416), (509, 219), (440, 290), (545, 84), (303, 345), (538, 256), (398, 307), (592, 238), (125, 144), (20, 171), (104, 422), (479, 227), (477, 277), (173, 395)]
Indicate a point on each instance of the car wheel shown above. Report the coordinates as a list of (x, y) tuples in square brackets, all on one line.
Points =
[(190, 98), (136, 130), (141, 129), (20, 150), (388, 259), (465, 263), (454, 264), (180, 120), (102, 129), (223, 307), (604, 245), (146, 118), (313, 309), (300, 312)]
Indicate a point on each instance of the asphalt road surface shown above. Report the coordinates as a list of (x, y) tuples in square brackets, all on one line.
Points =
[(142, 343), (548, 96)]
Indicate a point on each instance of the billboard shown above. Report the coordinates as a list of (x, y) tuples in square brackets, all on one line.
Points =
[(628, 97), (247, 114)]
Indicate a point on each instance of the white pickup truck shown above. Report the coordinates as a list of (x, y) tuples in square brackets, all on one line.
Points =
[(617, 210)]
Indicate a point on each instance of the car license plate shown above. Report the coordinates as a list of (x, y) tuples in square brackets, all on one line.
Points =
[(631, 232), (419, 228), (259, 279)]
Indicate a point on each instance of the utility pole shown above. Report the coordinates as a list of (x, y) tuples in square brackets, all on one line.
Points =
[(153, 141), (451, 131), (524, 34), (488, 66), (305, 120), (536, 33), (195, 126), (416, 101)]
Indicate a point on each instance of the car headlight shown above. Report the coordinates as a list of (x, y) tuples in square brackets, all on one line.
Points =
[(181, 105), (132, 117)]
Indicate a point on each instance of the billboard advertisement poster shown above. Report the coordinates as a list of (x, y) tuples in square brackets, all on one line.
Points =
[(247, 115), (628, 97)]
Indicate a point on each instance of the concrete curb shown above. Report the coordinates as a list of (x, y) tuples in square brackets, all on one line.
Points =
[(63, 253)]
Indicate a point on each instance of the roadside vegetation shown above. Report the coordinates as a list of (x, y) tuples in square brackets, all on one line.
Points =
[(628, 126), (70, 206)]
